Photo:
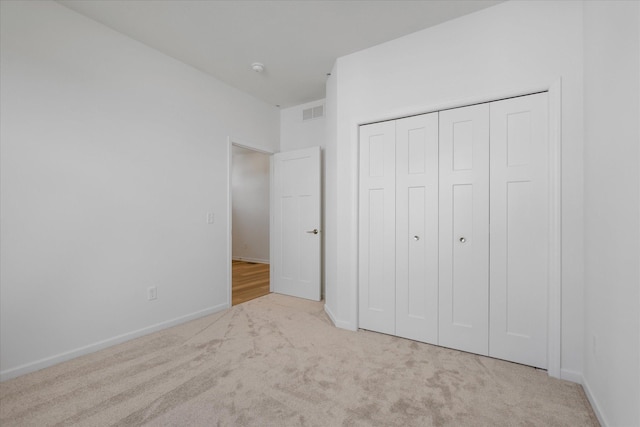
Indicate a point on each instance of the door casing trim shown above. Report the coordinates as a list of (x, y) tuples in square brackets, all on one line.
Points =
[(554, 298), (231, 141)]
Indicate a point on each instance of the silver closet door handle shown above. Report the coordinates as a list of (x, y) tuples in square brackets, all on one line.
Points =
[(314, 231), (462, 240), (416, 238)]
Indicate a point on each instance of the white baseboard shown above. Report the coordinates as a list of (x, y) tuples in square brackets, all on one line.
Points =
[(573, 376), (72, 354), (594, 403), (256, 260), (577, 377), (338, 323)]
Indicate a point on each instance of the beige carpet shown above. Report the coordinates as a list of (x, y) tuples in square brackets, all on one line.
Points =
[(278, 361)]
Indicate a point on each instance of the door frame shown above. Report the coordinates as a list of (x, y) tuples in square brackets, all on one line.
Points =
[(231, 141), (554, 297)]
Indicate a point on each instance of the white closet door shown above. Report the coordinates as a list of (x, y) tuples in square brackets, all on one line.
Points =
[(519, 229), (417, 228), (464, 229), (377, 254)]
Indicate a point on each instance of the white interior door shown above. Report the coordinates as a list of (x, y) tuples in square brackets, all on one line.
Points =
[(519, 229), (417, 228), (295, 238), (377, 224), (464, 229)]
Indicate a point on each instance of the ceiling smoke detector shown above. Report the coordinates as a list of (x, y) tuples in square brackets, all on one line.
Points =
[(258, 67)]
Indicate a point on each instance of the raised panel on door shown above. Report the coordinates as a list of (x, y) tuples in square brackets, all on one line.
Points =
[(464, 228), (377, 221), (417, 228), (519, 230)]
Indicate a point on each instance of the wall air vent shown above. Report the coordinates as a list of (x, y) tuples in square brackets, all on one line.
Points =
[(312, 113)]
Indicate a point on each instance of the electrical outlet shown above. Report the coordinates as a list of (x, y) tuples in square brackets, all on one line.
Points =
[(210, 217), (152, 293)]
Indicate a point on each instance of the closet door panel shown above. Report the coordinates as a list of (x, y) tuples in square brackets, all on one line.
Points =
[(464, 229), (377, 219), (417, 228), (519, 230)]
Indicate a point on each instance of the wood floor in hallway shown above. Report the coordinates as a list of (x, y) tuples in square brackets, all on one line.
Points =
[(250, 280)]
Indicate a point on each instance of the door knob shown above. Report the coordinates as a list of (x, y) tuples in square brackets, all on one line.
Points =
[(462, 240), (416, 238), (314, 231)]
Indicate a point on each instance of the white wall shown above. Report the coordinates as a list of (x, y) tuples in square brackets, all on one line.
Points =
[(331, 199), (111, 155), (250, 203), (505, 49), (612, 210), (295, 133)]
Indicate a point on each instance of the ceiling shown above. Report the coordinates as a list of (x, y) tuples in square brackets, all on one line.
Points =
[(297, 41)]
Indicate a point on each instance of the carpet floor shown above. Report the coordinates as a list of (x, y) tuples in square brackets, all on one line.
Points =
[(278, 361)]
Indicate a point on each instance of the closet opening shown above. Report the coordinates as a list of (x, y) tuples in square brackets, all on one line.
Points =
[(459, 239)]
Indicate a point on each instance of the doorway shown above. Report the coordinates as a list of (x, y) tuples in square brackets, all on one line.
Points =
[(250, 207)]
